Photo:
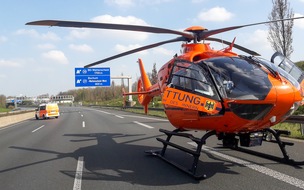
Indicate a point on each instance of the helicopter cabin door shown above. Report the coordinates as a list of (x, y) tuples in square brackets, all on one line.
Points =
[(190, 87)]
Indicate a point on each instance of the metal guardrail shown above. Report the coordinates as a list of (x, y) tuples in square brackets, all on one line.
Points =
[(297, 119)]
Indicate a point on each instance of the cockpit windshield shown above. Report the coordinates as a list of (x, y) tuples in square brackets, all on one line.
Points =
[(238, 78), (221, 77)]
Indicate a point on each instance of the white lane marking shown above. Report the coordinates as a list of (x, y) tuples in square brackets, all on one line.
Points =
[(272, 173), (142, 124), (83, 123), (78, 174), (119, 116), (132, 116), (145, 117), (81, 115), (37, 128), (103, 112)]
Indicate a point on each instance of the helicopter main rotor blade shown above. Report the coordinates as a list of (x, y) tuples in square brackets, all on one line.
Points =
[(97, 25), (178, 39), (207, 33), (235, 46)]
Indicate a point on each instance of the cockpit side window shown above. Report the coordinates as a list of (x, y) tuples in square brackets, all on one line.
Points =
[(287, 69), (192, 78)]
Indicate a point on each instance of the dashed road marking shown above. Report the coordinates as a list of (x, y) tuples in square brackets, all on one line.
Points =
[(78, 174), (144, 125), (37, 129), (103, 112), (119, 116), (150, 118)]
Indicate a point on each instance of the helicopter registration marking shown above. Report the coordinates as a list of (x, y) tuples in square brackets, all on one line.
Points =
[(178, 98)]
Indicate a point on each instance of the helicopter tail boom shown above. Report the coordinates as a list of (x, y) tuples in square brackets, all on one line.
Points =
[(145, 90)]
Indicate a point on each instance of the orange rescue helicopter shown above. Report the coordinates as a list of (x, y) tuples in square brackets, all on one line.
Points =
[(235, 97)]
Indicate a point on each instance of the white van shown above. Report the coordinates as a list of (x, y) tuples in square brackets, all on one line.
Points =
[(45, 111)]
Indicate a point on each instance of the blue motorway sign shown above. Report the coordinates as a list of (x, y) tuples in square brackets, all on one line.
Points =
[(88, 77), (92, 71)]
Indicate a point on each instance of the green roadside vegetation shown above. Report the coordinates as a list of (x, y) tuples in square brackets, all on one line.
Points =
[(294, 128), (4, 110), (150, 112)]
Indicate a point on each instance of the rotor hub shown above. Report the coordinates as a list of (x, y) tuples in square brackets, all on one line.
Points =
[(196, 31)]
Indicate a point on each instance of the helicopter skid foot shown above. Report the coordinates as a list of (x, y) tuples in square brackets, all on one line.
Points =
[(195, 153), (282, 145), (180, 167)]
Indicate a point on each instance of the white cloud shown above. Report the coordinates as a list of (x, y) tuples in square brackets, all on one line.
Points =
[(33, 33), (121, 48), (79, 33), (163, 51), (217, 14), (46, 46), (3, 76), (49, 36), (85, 33), (129, 20), (81, 48), (119, 20), (57, 56), (120, 3), (9, 63), (299, 22), (258, 42)]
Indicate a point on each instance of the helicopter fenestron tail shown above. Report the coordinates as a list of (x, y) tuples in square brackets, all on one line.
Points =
[(145, 90)]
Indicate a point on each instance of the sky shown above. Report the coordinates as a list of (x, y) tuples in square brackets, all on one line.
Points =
[(36, 60)]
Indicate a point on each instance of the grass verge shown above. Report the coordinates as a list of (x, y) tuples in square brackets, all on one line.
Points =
[(294, 128), (3, 110)]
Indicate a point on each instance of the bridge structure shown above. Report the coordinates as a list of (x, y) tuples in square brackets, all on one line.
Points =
[(62, 99), (129, 84), (21, 100)]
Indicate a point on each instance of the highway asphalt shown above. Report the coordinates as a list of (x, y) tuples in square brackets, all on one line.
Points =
[(100, 149)]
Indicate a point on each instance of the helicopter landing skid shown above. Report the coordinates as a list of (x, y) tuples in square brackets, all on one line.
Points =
[(282, 145), (196, 154)]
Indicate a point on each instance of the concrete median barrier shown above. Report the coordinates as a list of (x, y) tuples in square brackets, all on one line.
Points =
[(11, 119)]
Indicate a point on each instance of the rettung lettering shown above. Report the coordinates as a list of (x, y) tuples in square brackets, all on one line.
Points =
[(186, 98), (179, 98)]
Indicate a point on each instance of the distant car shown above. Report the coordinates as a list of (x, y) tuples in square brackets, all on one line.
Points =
[(45, 111)]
